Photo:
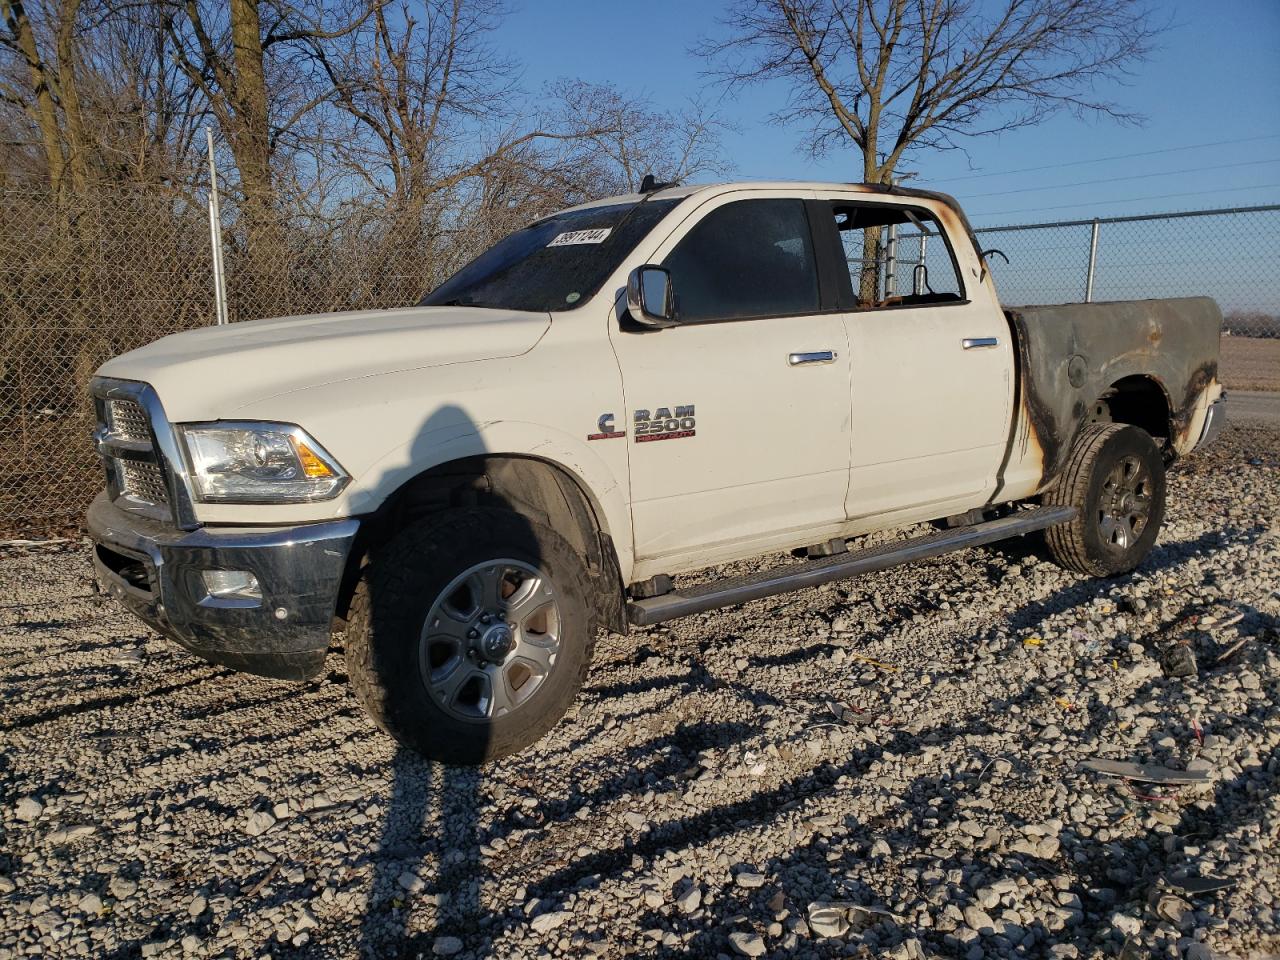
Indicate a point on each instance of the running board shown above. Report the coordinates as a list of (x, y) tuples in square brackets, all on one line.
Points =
[(794, 576)]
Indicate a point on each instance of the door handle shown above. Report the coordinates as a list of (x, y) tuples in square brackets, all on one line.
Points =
[(813, 356), (973, 343)]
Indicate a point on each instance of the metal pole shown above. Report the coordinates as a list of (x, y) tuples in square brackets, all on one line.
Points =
[(891, 258), (917, 275), (1093, 262), (215, 236)]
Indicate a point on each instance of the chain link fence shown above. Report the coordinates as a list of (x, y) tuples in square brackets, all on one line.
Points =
[(1228, 254), (83, 279)]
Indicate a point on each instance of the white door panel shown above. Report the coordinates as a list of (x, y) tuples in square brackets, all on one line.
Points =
[(769, 450)]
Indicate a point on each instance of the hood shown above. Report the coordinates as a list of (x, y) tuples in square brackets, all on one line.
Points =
[(209, 373)]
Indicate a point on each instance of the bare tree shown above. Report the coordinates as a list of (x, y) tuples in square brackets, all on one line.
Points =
[(46, 87), (249, 61), (145, 111), (246, 58), (89, 96), (891, 76), (415, 83), (634, 139)]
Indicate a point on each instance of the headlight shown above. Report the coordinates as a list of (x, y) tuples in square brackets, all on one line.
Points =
[(259, 463)]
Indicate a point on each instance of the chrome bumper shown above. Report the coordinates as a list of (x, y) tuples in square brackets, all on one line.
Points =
[(1214, 420), (155, 570)]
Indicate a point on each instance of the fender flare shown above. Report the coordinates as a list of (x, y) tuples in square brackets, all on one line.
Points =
[(603, 489)]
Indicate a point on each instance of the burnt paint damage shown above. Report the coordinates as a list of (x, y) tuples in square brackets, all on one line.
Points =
[(1148, 358), (950, 215)]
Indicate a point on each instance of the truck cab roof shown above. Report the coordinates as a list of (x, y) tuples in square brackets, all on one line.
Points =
[(680, 191)]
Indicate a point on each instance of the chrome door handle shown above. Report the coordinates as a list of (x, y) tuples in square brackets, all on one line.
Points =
[(814, 356), (973, 343)]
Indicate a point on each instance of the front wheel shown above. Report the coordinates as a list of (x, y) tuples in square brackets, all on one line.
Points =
[(470, 635), (1114, 477)]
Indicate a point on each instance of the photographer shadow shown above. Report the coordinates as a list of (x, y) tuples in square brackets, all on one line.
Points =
[(427, 863)]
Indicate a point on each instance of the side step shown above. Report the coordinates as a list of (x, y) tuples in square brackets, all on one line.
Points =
[(794, 576)]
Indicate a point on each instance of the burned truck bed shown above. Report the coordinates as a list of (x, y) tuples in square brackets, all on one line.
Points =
[(1079, 362)]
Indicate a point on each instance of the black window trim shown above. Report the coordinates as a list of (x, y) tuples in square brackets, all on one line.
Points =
[(835, 285)]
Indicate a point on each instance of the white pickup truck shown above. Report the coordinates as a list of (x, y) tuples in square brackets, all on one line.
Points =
[(644, 386)]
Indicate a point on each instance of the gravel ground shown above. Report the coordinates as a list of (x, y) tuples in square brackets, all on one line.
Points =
[(703, 795)]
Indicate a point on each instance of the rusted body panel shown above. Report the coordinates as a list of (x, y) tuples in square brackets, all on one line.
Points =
[(1070, 356)]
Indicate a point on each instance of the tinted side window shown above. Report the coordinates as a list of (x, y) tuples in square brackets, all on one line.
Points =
[(749, 258), (916, 268)]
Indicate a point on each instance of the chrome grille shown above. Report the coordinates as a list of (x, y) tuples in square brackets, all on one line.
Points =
[(138, 449), (127, 421), (145, 481)]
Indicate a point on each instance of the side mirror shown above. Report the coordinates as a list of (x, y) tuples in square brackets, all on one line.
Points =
[(650, 299)]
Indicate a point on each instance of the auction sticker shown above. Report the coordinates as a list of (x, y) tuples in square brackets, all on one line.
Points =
[(581, 236)]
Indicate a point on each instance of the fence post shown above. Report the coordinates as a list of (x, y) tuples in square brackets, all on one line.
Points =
[(919, 274), (1093, 262), (215, 237)]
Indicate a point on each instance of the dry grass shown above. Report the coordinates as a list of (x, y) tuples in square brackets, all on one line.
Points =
[(1250, 363)]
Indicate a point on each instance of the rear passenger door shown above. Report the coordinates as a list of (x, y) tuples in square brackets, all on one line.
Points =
[(738, 415), (931, 363)]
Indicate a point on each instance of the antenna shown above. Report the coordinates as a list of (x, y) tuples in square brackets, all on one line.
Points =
[(651, 184)]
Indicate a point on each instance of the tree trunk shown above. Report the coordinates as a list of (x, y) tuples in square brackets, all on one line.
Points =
[(44, 110), (69, 94), (869, 275), (250, 142)]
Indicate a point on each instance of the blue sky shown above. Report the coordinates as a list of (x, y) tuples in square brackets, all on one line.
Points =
[(1215, 78)]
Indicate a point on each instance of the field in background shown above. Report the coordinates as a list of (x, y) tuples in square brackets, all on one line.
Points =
[(1250, 363)]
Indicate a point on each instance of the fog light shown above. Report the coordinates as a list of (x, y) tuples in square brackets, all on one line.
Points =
[(232, 583)]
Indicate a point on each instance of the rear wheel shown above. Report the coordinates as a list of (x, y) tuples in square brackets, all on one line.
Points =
[(470, 634), (1114, 477)]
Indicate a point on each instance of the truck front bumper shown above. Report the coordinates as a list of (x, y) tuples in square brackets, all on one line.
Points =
[(157, 572)]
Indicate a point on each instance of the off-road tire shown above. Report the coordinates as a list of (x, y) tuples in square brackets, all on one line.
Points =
[(401, 582), (1081, 544)]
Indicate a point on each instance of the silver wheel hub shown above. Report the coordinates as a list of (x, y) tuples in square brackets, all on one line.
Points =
[(1124, 506), (490, 640), (496, 642)]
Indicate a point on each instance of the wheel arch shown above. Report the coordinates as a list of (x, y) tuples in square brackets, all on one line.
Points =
[(537, 488), (1142, 401)]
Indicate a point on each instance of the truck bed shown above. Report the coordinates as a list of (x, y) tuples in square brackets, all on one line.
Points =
[(1070, 355)]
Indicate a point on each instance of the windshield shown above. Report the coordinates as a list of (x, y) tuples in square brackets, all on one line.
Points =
[(553, 264)]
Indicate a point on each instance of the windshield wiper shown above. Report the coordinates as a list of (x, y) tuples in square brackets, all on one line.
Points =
[(460, 302)]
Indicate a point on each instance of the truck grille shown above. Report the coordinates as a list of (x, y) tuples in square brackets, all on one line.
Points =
[(126, 441), (143, 481), (127, 421)]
